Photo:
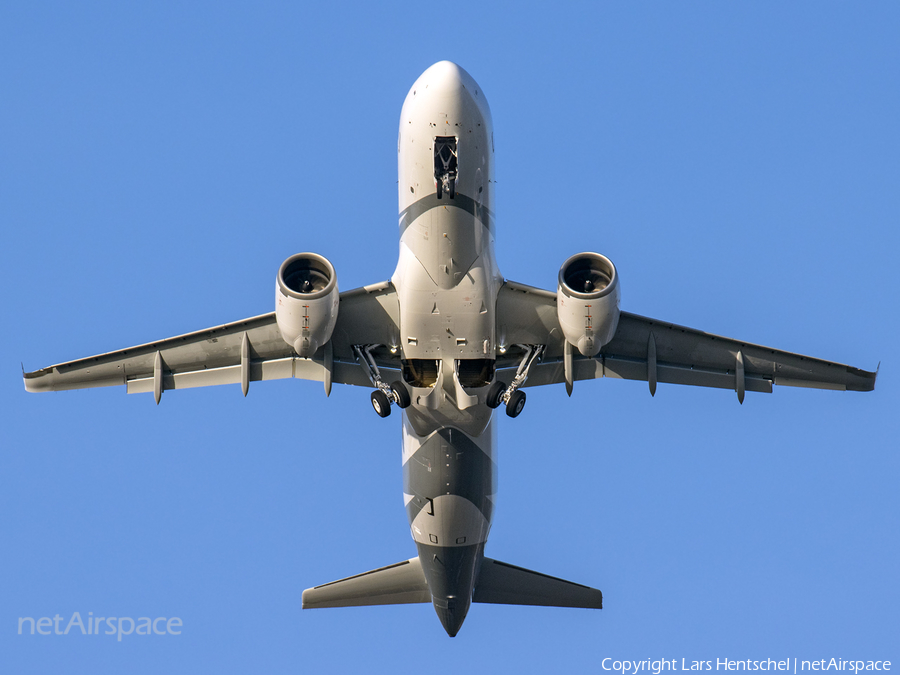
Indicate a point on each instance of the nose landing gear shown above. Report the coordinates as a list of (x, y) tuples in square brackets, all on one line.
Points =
[(446, 165)]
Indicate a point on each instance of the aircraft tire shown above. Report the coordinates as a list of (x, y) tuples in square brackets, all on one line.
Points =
[(380, 403), (401, 394), (516, 403), (494, 393)]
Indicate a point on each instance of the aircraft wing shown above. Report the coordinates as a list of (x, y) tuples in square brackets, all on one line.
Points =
[(657, 351), (241, 352)]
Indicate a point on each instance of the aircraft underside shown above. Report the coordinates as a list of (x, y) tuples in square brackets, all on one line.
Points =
[(451, 343)]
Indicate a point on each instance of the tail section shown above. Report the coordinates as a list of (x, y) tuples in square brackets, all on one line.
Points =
[(397, 584), (498, 583), (501, 583)]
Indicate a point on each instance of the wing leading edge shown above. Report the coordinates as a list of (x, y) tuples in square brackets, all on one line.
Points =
[(240, 352), (655, 351)]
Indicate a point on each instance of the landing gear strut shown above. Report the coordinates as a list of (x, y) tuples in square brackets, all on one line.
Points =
[(513, 398), (384, 394)]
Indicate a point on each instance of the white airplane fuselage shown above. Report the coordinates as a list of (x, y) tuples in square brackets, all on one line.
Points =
[(447, 283)]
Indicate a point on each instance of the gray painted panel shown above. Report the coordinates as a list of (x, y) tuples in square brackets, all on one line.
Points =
[(449, 462)]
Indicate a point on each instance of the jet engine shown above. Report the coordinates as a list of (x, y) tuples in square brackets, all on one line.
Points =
[(587, 301), (306, 302)]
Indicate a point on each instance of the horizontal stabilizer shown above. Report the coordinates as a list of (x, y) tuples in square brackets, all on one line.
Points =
[(501, 583), (397, 584)]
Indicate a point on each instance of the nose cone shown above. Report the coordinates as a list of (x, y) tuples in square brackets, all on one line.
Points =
[(444, 78), (446, 81)]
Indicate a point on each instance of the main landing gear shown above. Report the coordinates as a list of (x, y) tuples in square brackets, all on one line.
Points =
[(514, 399), (384, 395), (500, 393), (395, 393)]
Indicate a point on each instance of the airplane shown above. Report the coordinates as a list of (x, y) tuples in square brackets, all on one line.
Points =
[(447, 340)]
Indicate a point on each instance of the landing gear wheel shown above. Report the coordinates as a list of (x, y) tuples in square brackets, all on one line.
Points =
[(452, 188), (494, 393), (381, 403), (440, 190), (516, 403), (401, 394)]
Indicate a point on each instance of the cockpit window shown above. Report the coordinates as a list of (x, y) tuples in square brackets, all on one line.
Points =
[(446, 165)]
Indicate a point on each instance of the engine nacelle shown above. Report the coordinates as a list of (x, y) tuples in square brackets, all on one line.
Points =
[(306, 302), (587, 301)]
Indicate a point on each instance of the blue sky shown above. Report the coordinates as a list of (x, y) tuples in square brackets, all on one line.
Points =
[(739, 165)]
